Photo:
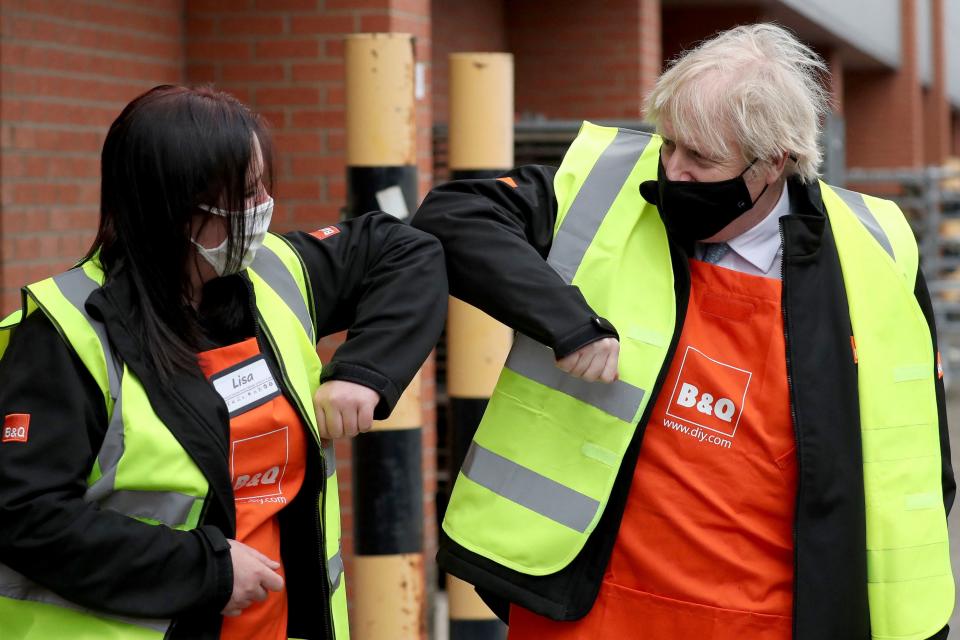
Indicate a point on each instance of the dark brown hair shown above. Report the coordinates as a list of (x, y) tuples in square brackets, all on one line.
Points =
[(169, 151)]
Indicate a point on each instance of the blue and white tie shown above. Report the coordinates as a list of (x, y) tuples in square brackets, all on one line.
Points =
[(714, 252)]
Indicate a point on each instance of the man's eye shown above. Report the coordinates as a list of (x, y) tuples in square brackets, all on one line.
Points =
[(700, 158)]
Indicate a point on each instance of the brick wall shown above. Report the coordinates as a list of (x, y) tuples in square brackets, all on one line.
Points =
[(685, 26), (67, 68), (884, 108), (936, 108), (582, 60)]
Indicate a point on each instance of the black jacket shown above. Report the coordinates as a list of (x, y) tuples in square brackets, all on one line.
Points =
[(496, 238), (377, 278)]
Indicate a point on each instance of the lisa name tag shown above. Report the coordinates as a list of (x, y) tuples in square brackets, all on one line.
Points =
[(246, 385)]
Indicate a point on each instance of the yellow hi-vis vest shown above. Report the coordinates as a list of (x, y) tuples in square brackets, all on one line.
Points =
[(541, 467), (141, 470)]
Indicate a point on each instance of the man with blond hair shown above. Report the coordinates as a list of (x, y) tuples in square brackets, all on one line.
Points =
[(722, 416)]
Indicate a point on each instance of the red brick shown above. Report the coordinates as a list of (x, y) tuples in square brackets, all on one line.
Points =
[(317, 71), (49, 139), (336, 141), (336, 95), (356, 5), (297, 190), (195, 6), (317, 118), (313, 217), (74, 35), (376, 24), (288, 96), (132, 19), (249, 25), (198, 27), (43, 57), (207, 50), (36, 111), (287, 48), (333, 47), (251, 72), (337, 189), (313, 165), (323, 24), (200, 72), (276, 118), (288, 5)]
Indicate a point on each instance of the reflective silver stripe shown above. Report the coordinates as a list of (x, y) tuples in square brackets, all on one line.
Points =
[(16, 586), (577, 231), (533, 360), (859, 207), (594, 200), (76, 286), (268, 266), (335, 569), (529, 489), (168, 507), (329, 457), (111, 450)]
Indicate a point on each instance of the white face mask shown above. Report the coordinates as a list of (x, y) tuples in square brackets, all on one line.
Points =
[(256, 223)]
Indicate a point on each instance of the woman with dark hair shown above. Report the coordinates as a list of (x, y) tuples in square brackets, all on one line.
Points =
[(166, 469)]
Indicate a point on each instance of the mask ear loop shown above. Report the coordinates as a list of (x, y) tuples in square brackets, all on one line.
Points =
[(753, 203), (791, 156)]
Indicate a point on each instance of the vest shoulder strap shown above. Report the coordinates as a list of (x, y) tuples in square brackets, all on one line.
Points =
[(887, 224), (62, 299), (282, 268)]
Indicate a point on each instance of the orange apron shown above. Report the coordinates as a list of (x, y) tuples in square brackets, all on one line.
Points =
[(267, 465), (705, 548)]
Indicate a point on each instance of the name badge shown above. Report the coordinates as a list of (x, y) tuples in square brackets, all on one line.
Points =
[(246, 385)]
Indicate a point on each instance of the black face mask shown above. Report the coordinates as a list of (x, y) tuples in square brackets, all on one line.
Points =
[(694, 211)]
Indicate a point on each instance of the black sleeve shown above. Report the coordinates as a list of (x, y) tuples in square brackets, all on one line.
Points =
[(496, 235), (384, 282), (947, 479), (943, 634), (96, 558)]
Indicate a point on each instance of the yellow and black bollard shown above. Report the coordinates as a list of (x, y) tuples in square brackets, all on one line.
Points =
[(481, 146), (388, 573)]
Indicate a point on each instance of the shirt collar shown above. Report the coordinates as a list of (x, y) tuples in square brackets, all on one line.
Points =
[(760, 244)]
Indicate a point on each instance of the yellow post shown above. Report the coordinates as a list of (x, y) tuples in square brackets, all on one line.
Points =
[(388, 573), (481, 146)]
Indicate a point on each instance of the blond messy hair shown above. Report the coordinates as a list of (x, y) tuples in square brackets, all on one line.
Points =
[(754, 85)]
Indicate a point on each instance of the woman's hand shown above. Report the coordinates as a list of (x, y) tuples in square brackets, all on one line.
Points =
[(344, 409), (596, 361), (253, 575)]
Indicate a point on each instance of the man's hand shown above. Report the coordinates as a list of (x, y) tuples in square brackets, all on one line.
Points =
[(596, 361), (344, 409), (253, 575)]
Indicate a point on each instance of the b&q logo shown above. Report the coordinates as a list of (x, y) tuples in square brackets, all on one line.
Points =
[(16, 427), (325, 233), (255, 474), (709, 393)]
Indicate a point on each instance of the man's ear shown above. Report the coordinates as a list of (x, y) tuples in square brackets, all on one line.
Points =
[(777, 166)]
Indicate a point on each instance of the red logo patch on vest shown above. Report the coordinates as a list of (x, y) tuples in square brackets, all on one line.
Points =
[(325, 233), (709, 393), (16, 427)]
